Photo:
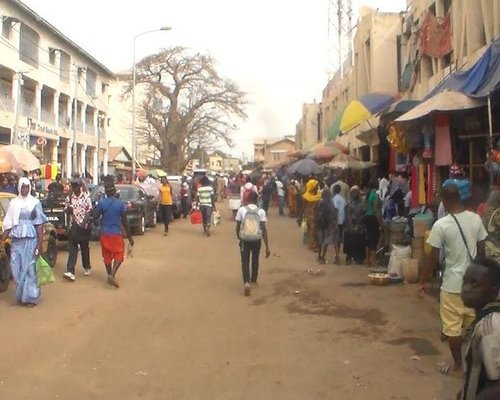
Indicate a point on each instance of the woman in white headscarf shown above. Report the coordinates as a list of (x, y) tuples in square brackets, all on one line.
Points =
[(23, 223)]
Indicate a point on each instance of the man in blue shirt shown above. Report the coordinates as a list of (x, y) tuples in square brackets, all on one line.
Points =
[(339, 203), (113, 215)]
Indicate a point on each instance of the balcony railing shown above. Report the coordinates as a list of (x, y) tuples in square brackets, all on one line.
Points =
[(63, 121), (90, 129), (48, 117), (6, 103), (28, 110)]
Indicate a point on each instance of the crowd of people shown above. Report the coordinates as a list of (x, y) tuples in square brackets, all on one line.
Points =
[(465, 242)]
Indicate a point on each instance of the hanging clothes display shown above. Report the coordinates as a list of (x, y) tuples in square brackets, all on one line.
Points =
[(421, 185), (443, 140), (431, 179), (414, 186), (435, 36)]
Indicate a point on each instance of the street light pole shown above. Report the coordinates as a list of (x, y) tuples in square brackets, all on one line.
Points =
[(134, 79)]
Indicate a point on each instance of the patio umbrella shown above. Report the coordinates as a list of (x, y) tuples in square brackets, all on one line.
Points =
[(141, 173), (14, 157), (305, 167), (157, 172), (359, 111), (347, 161), (334, 130), (327, 150)]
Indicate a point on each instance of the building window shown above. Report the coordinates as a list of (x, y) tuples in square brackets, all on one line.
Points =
[(90, 80), (103, 87), (52, 56), (7, 28), (64, 67), (276, 156), (28, 46)]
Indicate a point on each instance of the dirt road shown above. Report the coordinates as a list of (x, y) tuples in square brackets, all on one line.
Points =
[(180, 328)]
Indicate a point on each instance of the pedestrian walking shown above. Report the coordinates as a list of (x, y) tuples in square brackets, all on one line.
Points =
[(373, 222), (480, 289), (251, 230), (79, 207), (311, 198), (112, 211), (460, 235), (205, 199), (327, 223), (185, 193), (267, 194), (166, 201), (339, 203), (23, 223), (280, 191), (355, 231)]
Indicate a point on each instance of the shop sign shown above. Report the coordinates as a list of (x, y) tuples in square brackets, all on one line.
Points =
[(39, 127)]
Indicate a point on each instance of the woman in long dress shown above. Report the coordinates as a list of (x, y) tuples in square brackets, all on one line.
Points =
[(311, 199), (23, 223), (355, 231)]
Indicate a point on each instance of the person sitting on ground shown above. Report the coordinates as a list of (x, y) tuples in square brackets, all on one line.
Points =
[(461, 236), (327, 223), (251, 230), (480, 288)]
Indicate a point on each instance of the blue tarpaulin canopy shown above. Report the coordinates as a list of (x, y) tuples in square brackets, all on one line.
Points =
[(480, 80)]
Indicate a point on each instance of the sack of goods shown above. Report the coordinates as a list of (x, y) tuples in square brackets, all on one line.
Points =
[(398, 255), (216, 218), (250, 230)]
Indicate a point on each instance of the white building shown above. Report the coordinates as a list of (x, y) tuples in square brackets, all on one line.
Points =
[(42, 73)]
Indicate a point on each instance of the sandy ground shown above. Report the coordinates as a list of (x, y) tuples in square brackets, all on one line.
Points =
[(180, 328)]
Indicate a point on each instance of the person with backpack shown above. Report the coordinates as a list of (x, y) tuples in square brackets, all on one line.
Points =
[(480, 288), (251, 230), (460, 235), (327, 223)]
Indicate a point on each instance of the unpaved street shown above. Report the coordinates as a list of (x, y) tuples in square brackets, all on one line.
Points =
[(180, 328)]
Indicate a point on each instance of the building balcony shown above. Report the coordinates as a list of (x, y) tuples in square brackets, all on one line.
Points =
[(48, 117), (6, 103), (28, 110), (90, 129)]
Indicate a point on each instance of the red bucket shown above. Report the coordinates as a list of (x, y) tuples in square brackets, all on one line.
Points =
[(196, 217)]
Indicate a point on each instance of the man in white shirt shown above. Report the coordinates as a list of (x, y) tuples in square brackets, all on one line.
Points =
[(280, 191), (344, 188), (461, 236), (247, 226)]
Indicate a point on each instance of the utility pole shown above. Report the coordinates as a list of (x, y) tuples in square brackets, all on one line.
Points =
[(14, 137), (75, 117)]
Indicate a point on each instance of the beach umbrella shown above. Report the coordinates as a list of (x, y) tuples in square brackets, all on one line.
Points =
[(327, 150), (305, 167), (347, 161), (157, 172), (14, 157), (362, 109)]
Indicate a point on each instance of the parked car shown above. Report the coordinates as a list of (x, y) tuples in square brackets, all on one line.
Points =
[(141, 209), (49, 243), (53, 207)]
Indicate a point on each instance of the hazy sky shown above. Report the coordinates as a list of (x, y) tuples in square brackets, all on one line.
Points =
[(276, 50)]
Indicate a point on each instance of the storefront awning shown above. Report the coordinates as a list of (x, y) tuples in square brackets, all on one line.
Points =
[(480, 80), (444, 101)]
